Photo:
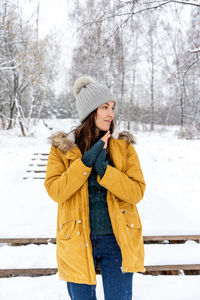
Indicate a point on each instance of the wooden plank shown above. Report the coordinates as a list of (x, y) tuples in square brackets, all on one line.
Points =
[(27, 272), (40, 157), (51, 271), (43, 159), (34, 167), (173, 267), (37, 165), (44, 154), (35, 175), (36, 171), (171, 237), (27, 241), (30, 177)]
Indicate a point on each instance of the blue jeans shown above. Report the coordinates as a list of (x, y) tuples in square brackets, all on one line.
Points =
[(117, 286)]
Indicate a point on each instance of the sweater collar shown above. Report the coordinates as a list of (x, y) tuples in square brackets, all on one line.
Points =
[(101, 134)]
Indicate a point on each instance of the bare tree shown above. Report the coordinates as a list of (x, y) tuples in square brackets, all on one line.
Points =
[(148, 65), (25, 66)]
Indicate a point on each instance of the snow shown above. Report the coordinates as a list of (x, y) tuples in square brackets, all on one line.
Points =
[(145, 287), (171, 168), (165, 254), (45, 255), (22, 257)]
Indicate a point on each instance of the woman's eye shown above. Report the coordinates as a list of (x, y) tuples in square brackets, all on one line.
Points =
[(107, 107)]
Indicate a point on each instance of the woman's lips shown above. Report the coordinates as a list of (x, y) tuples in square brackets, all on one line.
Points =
[(108, 121)]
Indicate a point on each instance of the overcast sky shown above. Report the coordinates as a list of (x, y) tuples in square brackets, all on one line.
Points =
[(53, 15)]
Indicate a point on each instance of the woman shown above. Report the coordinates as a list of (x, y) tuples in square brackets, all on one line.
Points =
[(96, 179)]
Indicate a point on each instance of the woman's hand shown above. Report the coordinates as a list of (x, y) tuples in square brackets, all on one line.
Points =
[(105, 138)]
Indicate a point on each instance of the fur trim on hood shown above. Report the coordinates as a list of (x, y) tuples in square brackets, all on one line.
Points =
[(66, 141)]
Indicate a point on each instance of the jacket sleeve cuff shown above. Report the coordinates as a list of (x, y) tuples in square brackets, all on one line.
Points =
[(130, 190), (90, 156), (84, 171)]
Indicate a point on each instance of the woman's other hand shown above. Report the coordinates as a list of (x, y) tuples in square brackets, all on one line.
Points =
[(105, 138)]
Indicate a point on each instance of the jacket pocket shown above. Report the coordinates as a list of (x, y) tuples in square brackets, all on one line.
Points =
[(132, 221), (134, 225), (130, 215), (66, 230)]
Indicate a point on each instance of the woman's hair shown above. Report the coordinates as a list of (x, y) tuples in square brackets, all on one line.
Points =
[(85, 133)]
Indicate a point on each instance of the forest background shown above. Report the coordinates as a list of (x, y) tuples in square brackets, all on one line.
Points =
[(146, 52)]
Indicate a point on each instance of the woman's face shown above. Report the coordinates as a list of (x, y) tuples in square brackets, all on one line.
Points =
[(104, 116)]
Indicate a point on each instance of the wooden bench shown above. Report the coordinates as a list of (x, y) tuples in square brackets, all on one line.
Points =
[(37, 167), (171, 269), (151, 239), (150, 270)]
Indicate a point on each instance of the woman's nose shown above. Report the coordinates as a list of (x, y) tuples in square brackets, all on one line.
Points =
[(111, 113)]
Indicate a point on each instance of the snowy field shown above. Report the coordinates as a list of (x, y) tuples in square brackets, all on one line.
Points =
[(171, 205), (145, 287)]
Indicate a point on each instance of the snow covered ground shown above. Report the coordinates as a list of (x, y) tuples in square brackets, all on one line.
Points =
[(45, 255), (145, 287), (171, 205)]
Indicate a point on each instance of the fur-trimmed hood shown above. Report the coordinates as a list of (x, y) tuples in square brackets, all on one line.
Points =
[(66, 141)]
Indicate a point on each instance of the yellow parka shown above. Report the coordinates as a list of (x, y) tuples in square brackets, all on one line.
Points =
[(67, 183)]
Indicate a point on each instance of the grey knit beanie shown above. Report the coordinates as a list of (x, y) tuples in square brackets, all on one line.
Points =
[(89, 96)]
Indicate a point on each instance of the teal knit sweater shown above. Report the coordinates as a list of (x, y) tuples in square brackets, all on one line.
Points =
[(97, 158)]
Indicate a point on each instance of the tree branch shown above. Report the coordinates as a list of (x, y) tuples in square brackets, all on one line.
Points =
[(117, 29), (123, 14), (160, 4), (186, 2), (12, 68), (194, 50)]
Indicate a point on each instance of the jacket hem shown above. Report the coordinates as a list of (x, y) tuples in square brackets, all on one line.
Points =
[(136, 269), (76, 280)]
